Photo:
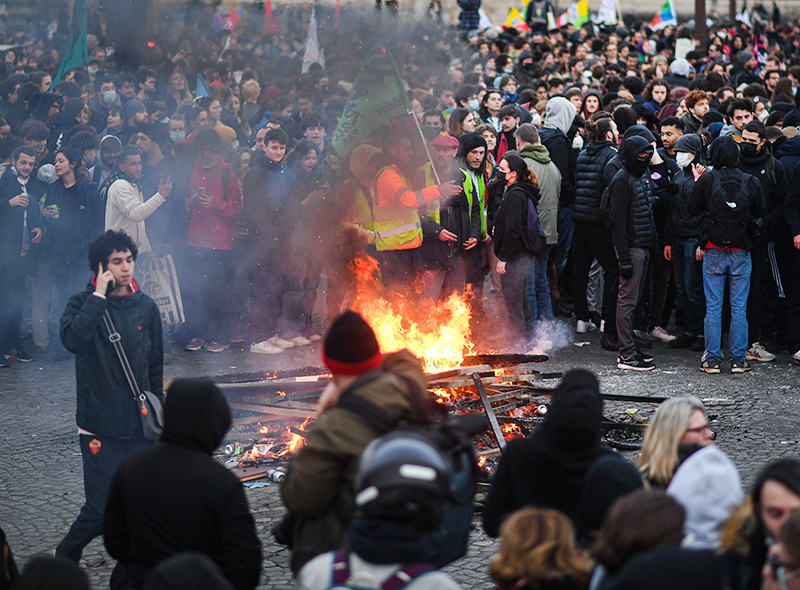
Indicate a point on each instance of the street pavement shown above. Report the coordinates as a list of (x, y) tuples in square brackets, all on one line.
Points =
[(753, 414)]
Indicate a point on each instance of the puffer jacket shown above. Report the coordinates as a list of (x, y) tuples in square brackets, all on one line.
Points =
[(589, 181), (632, 224), (538, 160), (682, 225), (318, 489), (106, 405)]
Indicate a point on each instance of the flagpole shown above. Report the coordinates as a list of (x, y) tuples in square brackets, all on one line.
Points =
[(425, 144)]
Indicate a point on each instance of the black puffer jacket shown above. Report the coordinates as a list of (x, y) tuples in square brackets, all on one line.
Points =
[(632, 224), (563, 156), (589, 182), (174, 497), (682, 225), (511, 220), (105, 402)]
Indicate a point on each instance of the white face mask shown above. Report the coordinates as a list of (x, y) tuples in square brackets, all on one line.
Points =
[(763, 115), (684, 159)]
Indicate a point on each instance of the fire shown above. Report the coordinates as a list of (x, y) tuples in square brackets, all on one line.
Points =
[(279, 448), (510, 430), (439, 335)]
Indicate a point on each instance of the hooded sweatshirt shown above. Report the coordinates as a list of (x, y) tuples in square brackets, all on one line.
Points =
[(548, 468), (538, 159), (682, 225), (559, 115), (174, 497), (708, 486), (102, 169)]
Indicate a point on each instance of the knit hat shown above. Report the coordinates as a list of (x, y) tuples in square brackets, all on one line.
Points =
[(744, 56), (791, 119), (350, 346), (132, 107), (226, 134), (445, 141), (157, 132), (680, 67), (73, 107), (468, 142)]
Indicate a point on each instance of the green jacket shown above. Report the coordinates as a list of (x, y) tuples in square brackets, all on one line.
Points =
[(538, 160), (318, 489)]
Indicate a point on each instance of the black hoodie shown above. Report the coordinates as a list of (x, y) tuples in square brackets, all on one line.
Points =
[(547, 469), (511, 219), (774, 185), (174, 497)]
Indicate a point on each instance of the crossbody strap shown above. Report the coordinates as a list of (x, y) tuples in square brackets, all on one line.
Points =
[(115, 339)]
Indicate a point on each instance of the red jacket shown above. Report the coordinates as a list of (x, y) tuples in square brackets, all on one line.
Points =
[(212, 227)]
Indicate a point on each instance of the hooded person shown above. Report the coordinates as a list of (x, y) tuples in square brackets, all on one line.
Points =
[(47, 105), (63, 121), (110, 148), (680, 73), (683, 232), (525, 68), (615, 164), (709, 487), (175, 497), (548, 468)]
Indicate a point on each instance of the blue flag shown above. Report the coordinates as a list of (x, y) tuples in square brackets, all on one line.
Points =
[(202, 87)]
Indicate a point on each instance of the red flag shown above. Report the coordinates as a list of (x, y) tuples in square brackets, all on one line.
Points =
[(270, 24), (233, 20), (336, 15)]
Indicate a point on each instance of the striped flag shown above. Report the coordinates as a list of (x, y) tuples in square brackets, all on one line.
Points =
[(577, 14), (515, 21), (664, 17)]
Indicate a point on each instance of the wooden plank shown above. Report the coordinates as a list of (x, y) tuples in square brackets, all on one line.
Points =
[(496, 430), (269, 410), (457, 372)]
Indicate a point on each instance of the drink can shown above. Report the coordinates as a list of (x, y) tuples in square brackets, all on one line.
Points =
[(277, 475), (55, 211)]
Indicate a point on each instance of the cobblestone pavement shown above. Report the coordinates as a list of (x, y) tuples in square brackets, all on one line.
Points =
[(754, 415)]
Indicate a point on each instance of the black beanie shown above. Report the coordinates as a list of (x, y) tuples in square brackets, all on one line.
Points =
[(468, 142), (350, 346)]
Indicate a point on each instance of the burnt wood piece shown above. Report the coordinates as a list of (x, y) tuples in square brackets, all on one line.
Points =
[(246, 376), (487, 406), (457, 372), (270, 410), (503, 360)]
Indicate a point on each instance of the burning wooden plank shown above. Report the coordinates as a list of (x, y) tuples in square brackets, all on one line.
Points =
[(503, 360), (487, 406)]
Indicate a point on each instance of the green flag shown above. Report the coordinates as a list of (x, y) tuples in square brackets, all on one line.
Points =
[(378, 95), (75, 52)]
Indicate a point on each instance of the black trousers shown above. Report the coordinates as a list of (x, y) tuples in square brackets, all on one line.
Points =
[(592, 241), (12, 295), (101, 457)]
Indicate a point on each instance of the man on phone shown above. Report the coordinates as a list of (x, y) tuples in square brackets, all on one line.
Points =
[(109, 423), (20, 230)]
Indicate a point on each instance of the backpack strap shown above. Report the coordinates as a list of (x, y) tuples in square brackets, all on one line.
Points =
[(341, 567), (405, 575), (375, 415)]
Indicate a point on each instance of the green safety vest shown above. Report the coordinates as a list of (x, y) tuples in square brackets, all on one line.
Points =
[(435, 214), (394, 226), (362, 201)]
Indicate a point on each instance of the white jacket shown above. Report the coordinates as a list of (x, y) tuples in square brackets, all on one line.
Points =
[(126, 211)]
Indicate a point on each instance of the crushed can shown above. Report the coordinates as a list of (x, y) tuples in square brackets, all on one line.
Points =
[(277, 475)]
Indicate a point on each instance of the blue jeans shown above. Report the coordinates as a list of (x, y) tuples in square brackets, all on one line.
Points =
[(539, 287), (689, 284), (736, 267), (565, 230)]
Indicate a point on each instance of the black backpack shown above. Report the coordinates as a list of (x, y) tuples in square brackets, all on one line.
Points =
[(728, 212), (532, 233), (452, 436)]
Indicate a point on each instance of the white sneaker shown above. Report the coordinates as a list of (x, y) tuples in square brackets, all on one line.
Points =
[(796, 357), (265, 348), (280, 342), (603, 326), (661, 334), (587, 326), (759, 353), (300, 341)]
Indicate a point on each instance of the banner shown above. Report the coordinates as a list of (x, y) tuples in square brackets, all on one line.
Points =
[(515, 21), (664, 17), (577, 14), (314, 53), (378, 95), (75, 51), (608, 12)]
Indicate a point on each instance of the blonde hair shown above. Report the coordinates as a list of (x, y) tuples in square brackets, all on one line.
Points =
[(251, 90), (538, 545), (659, 457)]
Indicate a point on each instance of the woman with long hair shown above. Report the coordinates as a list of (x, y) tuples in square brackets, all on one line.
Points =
[(514, 258), (461, 121), (656, 95), (491, 103), (177, 91), (678, 421), (537, 552)]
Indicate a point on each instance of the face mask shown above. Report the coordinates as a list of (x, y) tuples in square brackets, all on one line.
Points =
[(501, 177), (763, 116), (749, 149), (508, 69), (176, 137), (110, 97), (684, 159), (474, 104)]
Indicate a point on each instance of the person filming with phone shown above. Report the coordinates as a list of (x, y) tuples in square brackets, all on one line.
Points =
[(111, 309)]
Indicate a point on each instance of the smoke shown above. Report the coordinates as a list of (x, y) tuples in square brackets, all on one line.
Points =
[(550, 336)]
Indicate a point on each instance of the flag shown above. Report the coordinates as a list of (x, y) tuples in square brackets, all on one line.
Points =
[(75, 51), (378, 95), (202, 87), (314, 53), (217, 22), (336, 16), (759, 48), (484, 22), (234, 18), (270, 23), (744, 17), (515, 21), (664, 17), (577, 14), (608, 12)]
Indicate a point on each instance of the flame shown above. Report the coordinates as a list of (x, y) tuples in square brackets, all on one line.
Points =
[(510, 430), (437, 334), (481, 461), (265, 450)]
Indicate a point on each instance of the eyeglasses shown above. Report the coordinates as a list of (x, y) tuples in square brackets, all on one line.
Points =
[(700, 429)]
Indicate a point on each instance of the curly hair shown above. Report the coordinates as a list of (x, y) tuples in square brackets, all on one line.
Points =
[(108, 243), (538, 545)]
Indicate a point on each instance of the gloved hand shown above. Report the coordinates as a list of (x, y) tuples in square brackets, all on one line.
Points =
[(626, 269)]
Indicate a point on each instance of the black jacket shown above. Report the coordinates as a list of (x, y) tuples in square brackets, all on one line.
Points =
[(81, 218), (511, 219), (264, 202), (563, 156), (682, 225), (774, 185), (174, 497), (12, 219), (106, 405), (632, 224), (589, 181), (791, 205)]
